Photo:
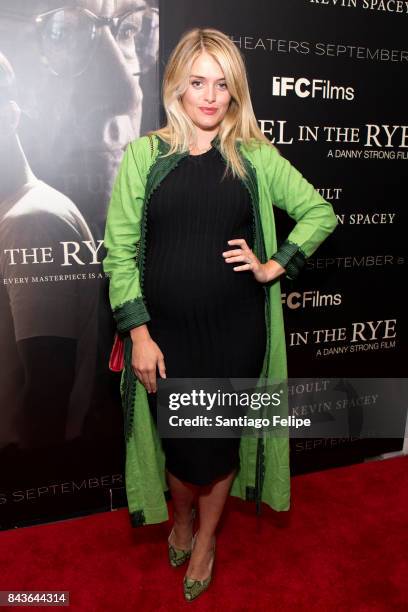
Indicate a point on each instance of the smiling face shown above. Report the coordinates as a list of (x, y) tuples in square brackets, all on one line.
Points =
[(207, 98)]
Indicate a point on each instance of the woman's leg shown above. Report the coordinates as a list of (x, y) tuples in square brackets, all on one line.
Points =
[(211, 501), (182, 494)]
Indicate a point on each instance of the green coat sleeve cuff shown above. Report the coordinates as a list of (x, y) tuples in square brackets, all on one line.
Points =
[(131, 314), (291, 257)]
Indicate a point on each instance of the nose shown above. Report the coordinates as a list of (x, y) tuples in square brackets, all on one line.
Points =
[(210, 93)]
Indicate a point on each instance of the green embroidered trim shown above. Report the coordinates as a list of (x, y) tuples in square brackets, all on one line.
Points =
[(251, 183), (159, 168), (129, 382), (285, 252), (295, 265), (259, 242), (137, 251), (137, 518), (130, 314), (259, 474), (291, 257), (250, 493)]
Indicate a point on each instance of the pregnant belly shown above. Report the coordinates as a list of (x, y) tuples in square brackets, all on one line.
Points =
[(174, 289)]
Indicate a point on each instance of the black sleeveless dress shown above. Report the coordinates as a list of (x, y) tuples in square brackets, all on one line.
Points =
[(208, 321)]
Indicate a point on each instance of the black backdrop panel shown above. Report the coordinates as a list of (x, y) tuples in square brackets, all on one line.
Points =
[(351, 144)]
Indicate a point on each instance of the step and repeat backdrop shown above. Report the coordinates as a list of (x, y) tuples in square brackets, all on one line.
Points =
[(77, 84), (326, 81)]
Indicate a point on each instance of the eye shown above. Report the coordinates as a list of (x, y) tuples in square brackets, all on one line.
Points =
[(127, 33), (222, 85), (196, 83)]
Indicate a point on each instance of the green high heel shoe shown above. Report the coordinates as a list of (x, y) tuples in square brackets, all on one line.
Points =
[(193, 588), (178, 556)]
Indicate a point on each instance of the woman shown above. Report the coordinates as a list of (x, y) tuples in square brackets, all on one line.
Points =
[(194, 266)]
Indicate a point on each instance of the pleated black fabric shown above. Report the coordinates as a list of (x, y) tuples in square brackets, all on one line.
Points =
[(208, 320)]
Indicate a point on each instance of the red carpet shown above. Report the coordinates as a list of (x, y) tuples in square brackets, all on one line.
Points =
[(343, 546)]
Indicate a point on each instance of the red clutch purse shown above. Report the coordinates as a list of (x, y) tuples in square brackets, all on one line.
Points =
[(116, 359)]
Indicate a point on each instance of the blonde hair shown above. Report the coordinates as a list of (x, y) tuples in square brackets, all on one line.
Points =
[(239, 123)]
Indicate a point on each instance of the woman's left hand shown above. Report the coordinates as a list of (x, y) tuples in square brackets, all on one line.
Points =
[(263, 273)]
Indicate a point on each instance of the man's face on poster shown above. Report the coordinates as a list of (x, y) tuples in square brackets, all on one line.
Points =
[(79, 71)]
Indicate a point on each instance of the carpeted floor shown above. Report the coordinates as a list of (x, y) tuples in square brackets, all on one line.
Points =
[(342, 546)]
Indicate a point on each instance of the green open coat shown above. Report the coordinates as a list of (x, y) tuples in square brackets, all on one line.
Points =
[(271, 181)]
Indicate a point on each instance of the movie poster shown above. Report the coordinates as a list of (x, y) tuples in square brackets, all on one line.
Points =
[(77, 84)]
